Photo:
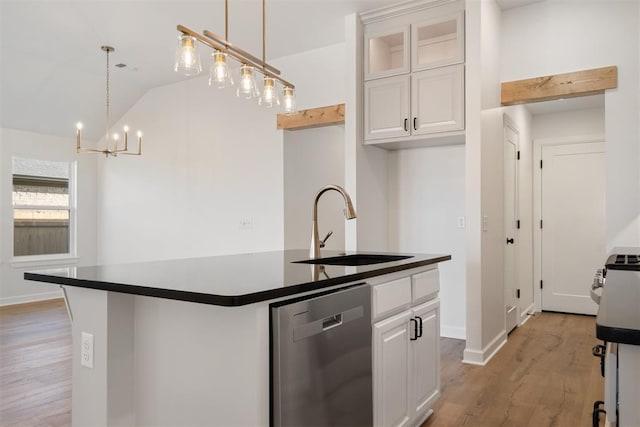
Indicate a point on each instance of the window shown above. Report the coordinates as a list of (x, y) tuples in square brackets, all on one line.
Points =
[(42, 207)]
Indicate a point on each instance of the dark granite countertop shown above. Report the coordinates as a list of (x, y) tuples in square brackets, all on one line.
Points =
[(619, 312), (229, 280)]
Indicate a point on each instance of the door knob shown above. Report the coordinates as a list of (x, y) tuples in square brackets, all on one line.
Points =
[(510, 240)]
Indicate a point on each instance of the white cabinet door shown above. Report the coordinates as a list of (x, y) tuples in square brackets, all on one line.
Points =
[(426, 357), (437, 100), (391, 367), (386, 107)]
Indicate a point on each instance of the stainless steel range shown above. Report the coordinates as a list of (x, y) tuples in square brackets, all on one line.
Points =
[(616, 289)]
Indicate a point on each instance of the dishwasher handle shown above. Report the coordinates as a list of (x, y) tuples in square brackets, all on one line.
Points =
[(326, 324)]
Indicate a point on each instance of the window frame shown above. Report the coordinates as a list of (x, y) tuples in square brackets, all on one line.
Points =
[(50, 259)]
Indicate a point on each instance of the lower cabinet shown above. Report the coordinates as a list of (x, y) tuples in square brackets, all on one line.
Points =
[(406, 354)]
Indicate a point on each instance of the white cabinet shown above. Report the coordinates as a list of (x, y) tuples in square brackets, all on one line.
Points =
[(437, 100), (406, 349), (414, 74), (422, 103)]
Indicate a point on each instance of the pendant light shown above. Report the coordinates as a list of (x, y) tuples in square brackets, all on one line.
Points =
[(111, 141), (187, 56), (219, 75), (187, 62)]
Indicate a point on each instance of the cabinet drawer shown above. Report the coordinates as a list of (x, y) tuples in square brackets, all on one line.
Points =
[(392, 296), (425, 285)]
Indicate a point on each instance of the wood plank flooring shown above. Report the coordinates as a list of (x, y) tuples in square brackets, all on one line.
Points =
[(544, 376), (35, 365)]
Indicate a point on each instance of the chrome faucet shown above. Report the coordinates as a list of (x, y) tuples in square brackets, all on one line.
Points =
[(349, 213)]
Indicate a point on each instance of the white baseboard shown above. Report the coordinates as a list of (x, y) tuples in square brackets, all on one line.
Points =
[(481, 357), (524, 315), (453, 332), (23, 299)]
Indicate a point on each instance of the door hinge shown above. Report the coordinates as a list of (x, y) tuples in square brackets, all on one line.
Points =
[(518, 155), (540, 223), (540, 164), (518, 224), (518, 293), (541, 286)]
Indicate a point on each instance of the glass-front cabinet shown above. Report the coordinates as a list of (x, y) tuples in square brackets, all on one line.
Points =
[(386, 51), (437, 42)]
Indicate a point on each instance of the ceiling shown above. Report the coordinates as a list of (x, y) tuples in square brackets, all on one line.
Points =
[(52, 71)]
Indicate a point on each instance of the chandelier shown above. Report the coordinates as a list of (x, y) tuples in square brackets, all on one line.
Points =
[(112, 141), (187, 61)]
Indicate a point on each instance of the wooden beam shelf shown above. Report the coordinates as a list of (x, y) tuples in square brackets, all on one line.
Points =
[(558, 86), (314, 117)]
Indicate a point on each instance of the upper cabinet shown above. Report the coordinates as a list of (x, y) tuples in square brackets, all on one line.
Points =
[(414, 73)]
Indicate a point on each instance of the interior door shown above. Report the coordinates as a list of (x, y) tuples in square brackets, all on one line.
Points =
[(511, 142), (573, 224)]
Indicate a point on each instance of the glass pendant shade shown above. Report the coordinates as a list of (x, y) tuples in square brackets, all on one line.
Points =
[(219, 75), (269, 97), (247, 87), (288, 100), (187, 56)]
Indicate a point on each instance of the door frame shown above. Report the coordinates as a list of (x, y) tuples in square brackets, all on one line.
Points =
[(538, 144)]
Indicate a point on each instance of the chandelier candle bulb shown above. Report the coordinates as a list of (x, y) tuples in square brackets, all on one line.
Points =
[(78, 136), (126, 137)]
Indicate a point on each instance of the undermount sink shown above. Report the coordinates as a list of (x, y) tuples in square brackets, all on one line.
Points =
[(355, 259)]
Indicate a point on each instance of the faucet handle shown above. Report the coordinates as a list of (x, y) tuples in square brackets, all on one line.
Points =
[(325, 238)]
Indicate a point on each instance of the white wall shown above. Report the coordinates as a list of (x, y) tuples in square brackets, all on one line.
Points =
[(210, 161), (569, 123), (558, 36), (13, 289), (426, 198), (313, 158)]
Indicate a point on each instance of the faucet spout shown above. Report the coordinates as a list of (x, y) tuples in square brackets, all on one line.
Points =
[(349, 213)]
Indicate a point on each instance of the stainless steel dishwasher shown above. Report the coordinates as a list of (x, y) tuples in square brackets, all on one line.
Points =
[(321, 360)]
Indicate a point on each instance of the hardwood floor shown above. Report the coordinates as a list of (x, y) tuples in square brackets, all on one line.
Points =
[(35, 365), (544, 376)]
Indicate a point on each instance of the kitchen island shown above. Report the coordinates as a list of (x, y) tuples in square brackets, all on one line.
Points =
[(186, 342)]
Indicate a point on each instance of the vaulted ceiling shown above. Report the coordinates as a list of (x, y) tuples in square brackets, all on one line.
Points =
[(52, 71)]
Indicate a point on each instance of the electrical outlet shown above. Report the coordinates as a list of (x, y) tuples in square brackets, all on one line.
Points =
[(246, 223), (86, 350), (461, 222)]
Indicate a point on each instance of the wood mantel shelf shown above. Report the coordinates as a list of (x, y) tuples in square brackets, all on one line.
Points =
[(558, 86), (314, 117)]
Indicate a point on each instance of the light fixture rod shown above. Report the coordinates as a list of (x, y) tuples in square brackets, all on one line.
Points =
[(248, 57), (264, 31), (226, 19), (219, 45)]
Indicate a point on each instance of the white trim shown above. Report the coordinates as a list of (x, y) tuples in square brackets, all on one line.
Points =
[(399, 9), (453, 332), (23, 299), (537, 201), (481, 358), (525, 315), (29, 261)]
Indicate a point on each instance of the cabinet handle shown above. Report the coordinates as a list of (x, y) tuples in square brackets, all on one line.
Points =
[(415, 126), (415, 330), (420, 327), (406, 122), (510, 241)]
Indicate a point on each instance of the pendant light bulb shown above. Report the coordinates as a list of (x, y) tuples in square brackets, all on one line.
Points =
[(288, 100), (187, 56), (219, 75), (247, 87), (269, 96)]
